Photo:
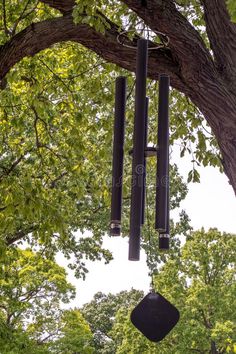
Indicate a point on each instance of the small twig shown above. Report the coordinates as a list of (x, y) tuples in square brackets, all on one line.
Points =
[(6, 30), (19, 18), (86, 71), (30, 11), (54, 182), (57, 76), (10, 239), (38, 144), (22, 16), (206, 130), (206, 322), (42, 341), (7, 171), (43, 121), (131, 90)]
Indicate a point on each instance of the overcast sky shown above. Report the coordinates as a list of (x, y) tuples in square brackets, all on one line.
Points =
[(210, 203)]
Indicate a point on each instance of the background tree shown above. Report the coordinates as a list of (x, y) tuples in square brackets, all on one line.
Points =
[(201, 284), (32, 289), (74, 335), (100, 314)]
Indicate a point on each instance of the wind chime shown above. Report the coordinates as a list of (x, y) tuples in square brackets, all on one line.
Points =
[(154, 316), (140, 152)]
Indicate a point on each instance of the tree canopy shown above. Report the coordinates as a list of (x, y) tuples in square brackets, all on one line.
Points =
[(56, 139), (200, 283), (200, 57), (100, 313), (58, 63)]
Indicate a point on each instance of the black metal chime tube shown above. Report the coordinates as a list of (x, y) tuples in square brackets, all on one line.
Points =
[(118, 156), (138, 151), (145, 162), (162, 176), (164, 238)]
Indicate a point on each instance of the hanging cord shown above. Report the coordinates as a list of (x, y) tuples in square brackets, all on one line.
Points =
[(123, 37), (149, 239), (131, 90)]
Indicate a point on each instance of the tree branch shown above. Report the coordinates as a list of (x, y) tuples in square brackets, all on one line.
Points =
[(4, 18), (206, 322), (63, 6), (57, 76), (23, 15), (190, 66), (42, 35), (8, 171), (185, 41), (10, 239), (49, 336), (57, 179), (13, 166), (222, 35)]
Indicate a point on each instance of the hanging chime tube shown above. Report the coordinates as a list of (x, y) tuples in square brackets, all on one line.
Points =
[(164, 238), (162, 175), (138, 151), (118, 156), (145, 162)]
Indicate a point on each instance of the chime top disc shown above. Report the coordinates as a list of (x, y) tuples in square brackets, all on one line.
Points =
[(154, 316)]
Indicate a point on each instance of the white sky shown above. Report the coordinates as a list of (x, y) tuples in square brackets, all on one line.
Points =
[(211, 203)]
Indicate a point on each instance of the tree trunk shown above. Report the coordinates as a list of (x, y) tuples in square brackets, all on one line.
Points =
[(213, 348)]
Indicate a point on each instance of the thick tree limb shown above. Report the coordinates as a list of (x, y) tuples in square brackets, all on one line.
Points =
[(42, 35), (208, 89), (10, 239), (185, 41), (222, 35)]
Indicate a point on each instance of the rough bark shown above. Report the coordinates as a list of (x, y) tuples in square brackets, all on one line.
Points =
[(44, 34), (221, 33), (208, 81)]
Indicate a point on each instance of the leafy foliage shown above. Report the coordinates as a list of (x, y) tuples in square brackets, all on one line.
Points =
[(74, 335), (55, 167), (32, 289), (232, 9), (55, 174), (56, 138)]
